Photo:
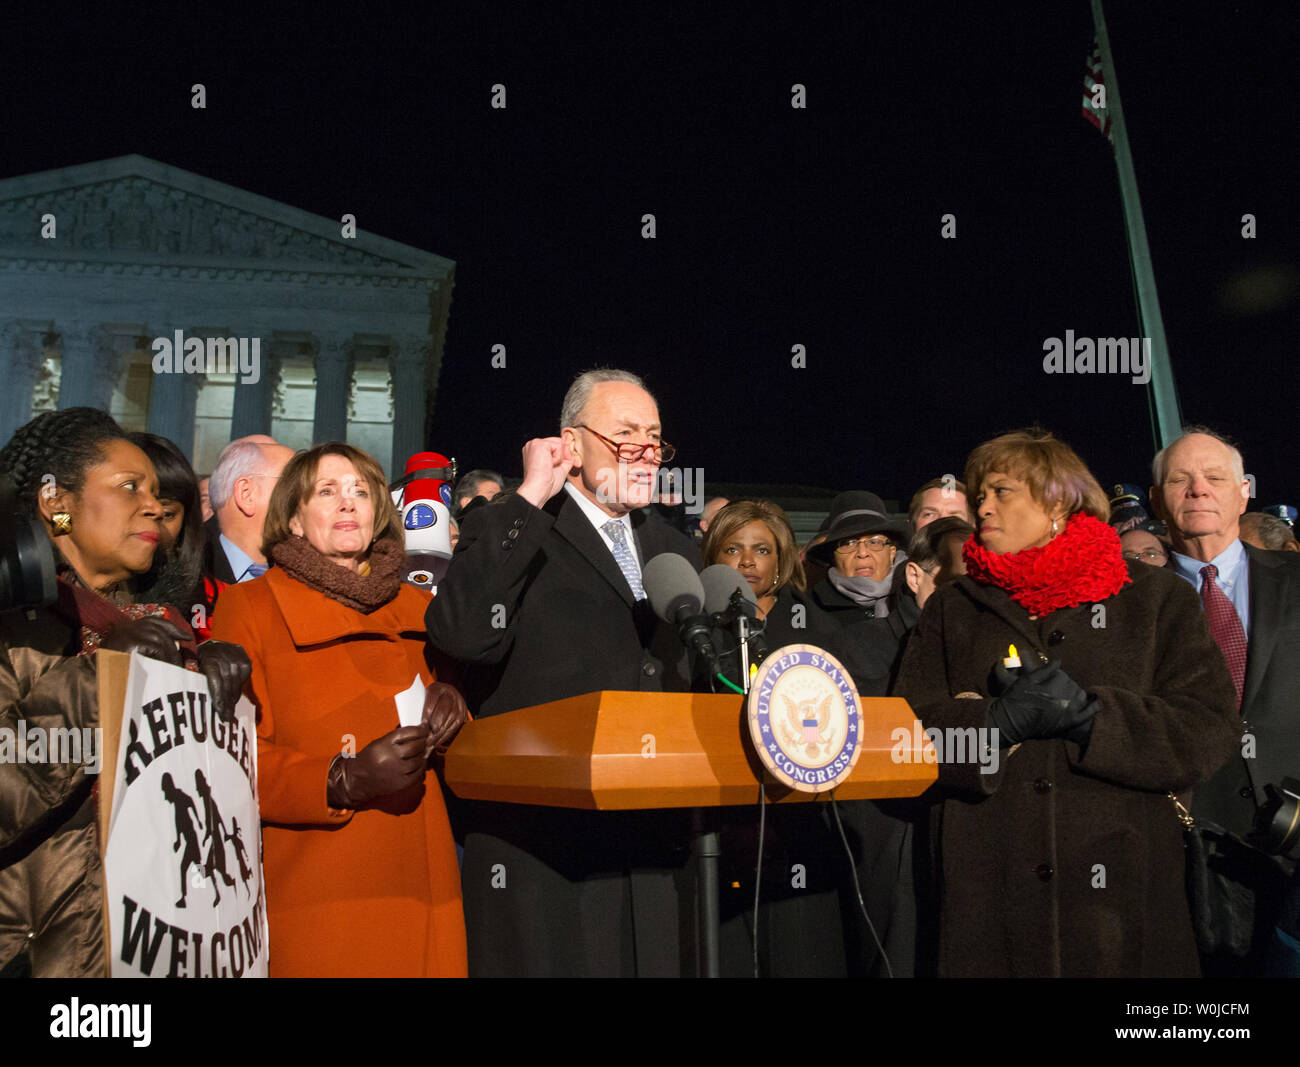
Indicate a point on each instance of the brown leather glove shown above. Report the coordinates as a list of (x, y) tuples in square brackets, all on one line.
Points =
[(226, 667), (151, 636), (387, 765), (444, 714)]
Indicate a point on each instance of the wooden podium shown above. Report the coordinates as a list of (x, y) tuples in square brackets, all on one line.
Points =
[(614, 751), (611, 751)]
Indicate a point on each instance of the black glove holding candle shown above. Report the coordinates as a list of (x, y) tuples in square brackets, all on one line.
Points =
[(1039, 702)]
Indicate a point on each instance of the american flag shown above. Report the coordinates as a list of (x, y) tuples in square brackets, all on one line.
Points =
[(1094, 78)]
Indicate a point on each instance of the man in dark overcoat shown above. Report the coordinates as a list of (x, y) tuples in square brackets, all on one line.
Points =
[(545, 601), (1201, 491)]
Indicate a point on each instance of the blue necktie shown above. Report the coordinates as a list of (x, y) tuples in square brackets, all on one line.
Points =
[(617, 533), (256, 570)]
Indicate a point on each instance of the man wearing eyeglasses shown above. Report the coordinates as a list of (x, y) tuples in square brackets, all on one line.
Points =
[(240, 491), (545, 602), (1142, 546)]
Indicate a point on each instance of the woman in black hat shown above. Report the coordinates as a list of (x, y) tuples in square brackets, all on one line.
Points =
[(865, 592), (860, 591)]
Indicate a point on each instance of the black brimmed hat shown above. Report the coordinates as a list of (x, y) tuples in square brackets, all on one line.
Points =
[(854, 514)]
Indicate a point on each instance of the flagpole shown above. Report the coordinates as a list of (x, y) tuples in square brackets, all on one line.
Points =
[(1168, 420)]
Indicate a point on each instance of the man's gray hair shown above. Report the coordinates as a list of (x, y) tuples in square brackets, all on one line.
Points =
[(575, 400), (239, 459), (1158, 464), (1271, 530)]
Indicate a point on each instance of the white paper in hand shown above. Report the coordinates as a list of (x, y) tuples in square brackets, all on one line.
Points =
[(410, 704)]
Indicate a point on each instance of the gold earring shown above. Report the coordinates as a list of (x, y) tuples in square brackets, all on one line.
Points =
[(62, 523)]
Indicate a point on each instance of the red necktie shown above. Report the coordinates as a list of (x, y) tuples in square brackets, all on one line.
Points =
[(1225, 627)]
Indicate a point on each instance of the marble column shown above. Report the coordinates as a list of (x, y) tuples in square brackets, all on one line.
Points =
[(333, 362), (22, 351), (91, 365), (252, 411), (173, 399), (409, 365)]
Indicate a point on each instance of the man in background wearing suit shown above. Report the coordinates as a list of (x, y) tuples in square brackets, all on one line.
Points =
[(240, 490), (1252, 599), (545, 601)]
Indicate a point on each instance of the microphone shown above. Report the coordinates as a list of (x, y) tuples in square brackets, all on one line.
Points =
[(720, 582), (423, 496), (728, 598), (677, 597)]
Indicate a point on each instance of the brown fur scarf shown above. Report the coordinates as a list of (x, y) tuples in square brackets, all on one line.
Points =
[(363, 593)]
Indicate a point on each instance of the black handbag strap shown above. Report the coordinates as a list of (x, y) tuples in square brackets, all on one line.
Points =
[(1250, 774)]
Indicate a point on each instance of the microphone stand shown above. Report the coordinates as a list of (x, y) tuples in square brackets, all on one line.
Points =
[(708, 842), (742, 633), (708, 849)]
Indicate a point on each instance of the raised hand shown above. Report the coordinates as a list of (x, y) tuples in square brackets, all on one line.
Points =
[(547, 462)]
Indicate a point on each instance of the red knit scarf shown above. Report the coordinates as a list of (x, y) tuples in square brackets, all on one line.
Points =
[(1081, 565)]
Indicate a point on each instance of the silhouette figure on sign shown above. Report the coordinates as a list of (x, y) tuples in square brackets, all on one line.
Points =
[(216, 832), (185, 830), (236, 838)]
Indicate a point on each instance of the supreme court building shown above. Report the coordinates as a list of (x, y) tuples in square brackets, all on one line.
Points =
[(104, 262)]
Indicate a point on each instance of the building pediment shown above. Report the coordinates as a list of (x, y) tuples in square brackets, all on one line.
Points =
[(133, 209)]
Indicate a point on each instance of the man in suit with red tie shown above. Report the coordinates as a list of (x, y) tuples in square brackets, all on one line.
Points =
[(1252, 603)]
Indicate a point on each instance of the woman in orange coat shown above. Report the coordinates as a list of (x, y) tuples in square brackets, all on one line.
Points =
[(361, 872)]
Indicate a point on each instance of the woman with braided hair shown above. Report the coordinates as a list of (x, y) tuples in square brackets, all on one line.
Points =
[(96, 494)]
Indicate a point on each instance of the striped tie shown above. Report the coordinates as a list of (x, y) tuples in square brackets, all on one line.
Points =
[(617, 533), (1225, 627)]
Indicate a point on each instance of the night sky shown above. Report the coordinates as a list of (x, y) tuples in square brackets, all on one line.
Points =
[(775, 226)]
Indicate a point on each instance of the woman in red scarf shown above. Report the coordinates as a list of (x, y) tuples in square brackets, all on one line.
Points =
[(96, 495), (1092, 690)]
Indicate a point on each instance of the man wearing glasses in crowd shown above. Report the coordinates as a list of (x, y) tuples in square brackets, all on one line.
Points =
[(546, 602)]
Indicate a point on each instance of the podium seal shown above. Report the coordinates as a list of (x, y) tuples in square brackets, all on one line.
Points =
[(805, 718)]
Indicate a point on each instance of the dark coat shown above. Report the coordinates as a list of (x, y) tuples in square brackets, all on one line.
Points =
[(588, 893), (215, 561), (795, 619), (1069, 861), (571, 624), (873, 645), (1271, 698), (808, 915), (812, 926), (1271, 712)]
